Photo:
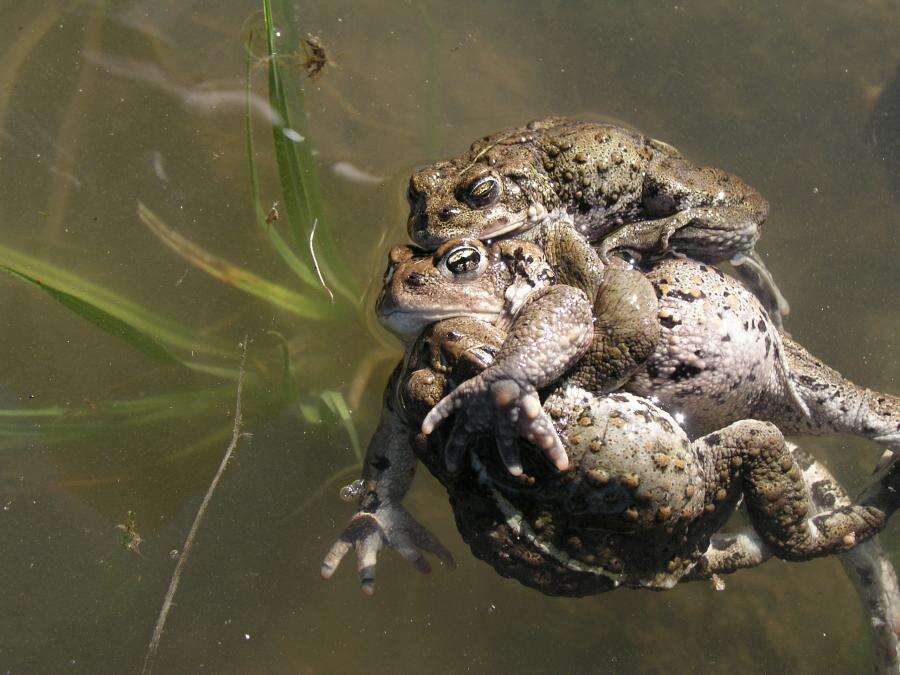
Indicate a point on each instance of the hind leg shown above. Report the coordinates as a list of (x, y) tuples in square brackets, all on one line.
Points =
[(837, 405), (753, 456)]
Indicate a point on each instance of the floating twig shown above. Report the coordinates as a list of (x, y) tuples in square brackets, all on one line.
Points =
[(192, 534)]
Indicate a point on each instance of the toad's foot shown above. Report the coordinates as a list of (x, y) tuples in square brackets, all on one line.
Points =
[(495, 403), (835, 404), (370, 531), (754, 274)]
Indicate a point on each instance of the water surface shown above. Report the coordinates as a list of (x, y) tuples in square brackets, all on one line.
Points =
[(103, 105)]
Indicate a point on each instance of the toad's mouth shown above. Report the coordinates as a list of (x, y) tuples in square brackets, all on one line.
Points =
[(410, 323), (515, 223)]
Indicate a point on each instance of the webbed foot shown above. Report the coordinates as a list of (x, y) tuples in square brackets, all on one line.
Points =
[(389, 525), (495, 403), (754, 274)]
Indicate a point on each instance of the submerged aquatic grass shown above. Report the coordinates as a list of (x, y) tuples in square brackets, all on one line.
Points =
[(296, 164), (309, 253), (231, 274), (143, 329)]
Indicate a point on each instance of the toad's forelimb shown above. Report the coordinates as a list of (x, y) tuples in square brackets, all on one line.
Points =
[(381, 519)]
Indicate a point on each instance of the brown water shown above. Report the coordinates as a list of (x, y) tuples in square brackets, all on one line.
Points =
[(103, 105)]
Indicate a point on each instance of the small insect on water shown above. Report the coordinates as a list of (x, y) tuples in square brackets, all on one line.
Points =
[(272, 216), (131, 539), (316, 56)]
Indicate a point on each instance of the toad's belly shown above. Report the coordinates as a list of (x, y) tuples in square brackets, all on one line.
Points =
[(718, 353)]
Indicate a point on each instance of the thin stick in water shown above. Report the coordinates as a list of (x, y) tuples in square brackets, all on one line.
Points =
[(189, 541)]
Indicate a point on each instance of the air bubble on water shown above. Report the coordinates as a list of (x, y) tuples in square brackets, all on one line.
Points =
[(352, 491)]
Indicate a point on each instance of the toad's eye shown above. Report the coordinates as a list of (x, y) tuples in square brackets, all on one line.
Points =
[(483, 192), (464, 262)]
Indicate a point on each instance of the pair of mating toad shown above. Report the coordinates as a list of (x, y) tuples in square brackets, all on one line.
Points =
[(552, 313)]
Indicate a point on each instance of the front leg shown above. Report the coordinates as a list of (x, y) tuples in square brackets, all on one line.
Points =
[(626, 331), (550, 334), (381, 519), (704, 213)]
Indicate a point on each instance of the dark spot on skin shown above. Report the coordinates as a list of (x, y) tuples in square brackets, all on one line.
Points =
[(416, 279), (823, 493), (645, 414), (727, 338), (761, 326), (687, 297), (746, 325), (669, 321), (713, 440), (684, 371), (447, 213), (381, 463), (768, 344)]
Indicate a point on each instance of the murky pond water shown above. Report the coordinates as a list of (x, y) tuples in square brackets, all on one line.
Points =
[(104, 106)]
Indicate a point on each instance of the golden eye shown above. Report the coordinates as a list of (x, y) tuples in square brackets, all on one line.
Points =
[(483, 192), (463, 262)]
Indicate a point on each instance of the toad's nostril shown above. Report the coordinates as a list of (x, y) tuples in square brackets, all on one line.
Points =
[(447, 213)]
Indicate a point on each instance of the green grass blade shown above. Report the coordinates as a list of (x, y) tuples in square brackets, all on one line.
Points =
[(103, 320), (64, 423), (338, 406), (297, 166), (232, 275), (121, 317), (281, 247)]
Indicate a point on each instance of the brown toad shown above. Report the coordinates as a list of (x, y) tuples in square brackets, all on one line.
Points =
[(610, 185), (639, 506)]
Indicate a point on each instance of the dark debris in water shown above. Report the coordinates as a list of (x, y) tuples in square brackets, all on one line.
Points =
[(131, 539), (316, 56)]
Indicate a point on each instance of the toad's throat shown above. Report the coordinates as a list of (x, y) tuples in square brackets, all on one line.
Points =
[(515, 223), (411, 323)]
